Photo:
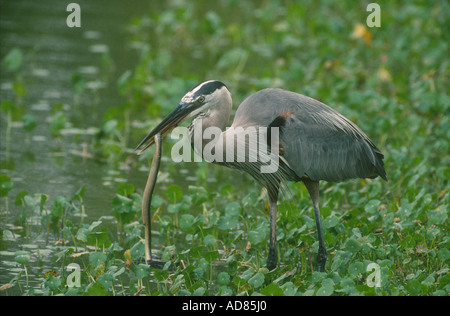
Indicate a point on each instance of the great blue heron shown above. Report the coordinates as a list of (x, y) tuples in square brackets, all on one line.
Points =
[(314, 143)]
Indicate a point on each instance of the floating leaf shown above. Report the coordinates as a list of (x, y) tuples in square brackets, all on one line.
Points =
[(110, 127), (173, 193), (19, 89), (22, 257), (14, 59), (161, 275), (78, 83), (186, 221), (99, 238), (356, 268), (138, 250), (107, 279), (209, 240), (7, 106), (125, 189), (256, 236), (96, 258), (80, 193), (326, 289), (232, 209), (123, 83), (5, 185), (223, 278), (123, 208), (52, 282), (211, 256), (58, 122), (198, 194), (142, 271), (257, 280), (415, 288), (289, 289), (199, 291), (95, 289), (372, 206), (226, 190), (272, 289), (331, 221), (8, 235), (227, 222), (352, 245)]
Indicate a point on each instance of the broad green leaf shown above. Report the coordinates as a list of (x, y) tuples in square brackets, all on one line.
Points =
[(272, 289), (223, 278), (5, 185), (352, 245), (21, 256), (107, 279), (256, 236), (142, 271), (58, 122), (232, 209), (198, 194), (7, 106), (257, 280), (78, 83), (211, 256), (227, 222), (138, 250), (186, 221), (125, 189), (52, 282), (209, 240), (14, 59), (96, 258), (161, 275), (29, 123), (326, 289), (356, 268), (173, 193), (95, 289)]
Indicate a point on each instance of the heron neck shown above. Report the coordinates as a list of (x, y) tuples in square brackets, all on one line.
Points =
[(206, 127)]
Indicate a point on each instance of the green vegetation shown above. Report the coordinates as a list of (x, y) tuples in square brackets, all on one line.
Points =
[(212, 237)]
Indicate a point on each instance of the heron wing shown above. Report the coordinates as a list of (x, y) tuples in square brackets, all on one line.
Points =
[(317, 141), (324, 153)]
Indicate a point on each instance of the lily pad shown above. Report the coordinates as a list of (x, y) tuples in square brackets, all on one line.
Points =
[(22, 257)]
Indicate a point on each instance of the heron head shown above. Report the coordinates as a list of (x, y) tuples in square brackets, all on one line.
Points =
[(204, 97)]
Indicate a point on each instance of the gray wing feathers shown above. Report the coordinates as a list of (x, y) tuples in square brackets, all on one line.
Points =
[(318, 141), (324, 153)]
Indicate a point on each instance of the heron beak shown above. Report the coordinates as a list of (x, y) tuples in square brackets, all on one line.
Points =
[(175, 118)]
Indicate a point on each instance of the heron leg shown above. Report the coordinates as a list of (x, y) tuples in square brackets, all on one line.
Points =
[(322, 255), (272, 259)]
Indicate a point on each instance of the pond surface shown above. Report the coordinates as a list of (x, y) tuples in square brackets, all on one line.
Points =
[(56, 52), (53, 53)]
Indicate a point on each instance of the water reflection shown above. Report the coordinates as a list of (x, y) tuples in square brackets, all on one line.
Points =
[(53, 53), (41, 163)]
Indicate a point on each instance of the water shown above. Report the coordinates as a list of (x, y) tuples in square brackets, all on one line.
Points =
[(56, 52), (53, 52)]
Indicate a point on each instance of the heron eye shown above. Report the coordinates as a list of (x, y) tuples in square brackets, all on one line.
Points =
[(201, 99)]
